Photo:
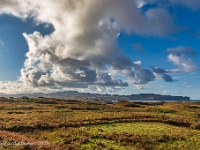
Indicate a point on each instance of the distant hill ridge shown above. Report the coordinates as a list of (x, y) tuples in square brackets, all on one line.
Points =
[(68, 94)]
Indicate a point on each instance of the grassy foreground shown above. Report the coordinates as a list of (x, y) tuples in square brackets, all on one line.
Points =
[(73, 125)]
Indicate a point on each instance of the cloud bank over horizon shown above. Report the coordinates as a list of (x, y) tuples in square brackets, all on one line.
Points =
[(83, 52)]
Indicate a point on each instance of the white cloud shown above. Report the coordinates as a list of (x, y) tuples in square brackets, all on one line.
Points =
[(141, 3), (165, 92), (179, 57), (139, 87), (16, 87)]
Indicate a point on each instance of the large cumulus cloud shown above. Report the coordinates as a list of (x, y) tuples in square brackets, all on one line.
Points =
[(82, 50)]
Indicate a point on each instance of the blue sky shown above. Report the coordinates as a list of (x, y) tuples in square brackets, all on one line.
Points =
[(125, 47)]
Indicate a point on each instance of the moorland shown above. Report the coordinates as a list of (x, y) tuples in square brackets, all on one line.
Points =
[(46, 123)]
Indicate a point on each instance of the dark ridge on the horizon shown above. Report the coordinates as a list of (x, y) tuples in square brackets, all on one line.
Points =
[(107, 97)]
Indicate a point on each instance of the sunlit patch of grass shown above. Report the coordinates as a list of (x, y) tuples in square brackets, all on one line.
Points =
[(140, 128), (149, 135)]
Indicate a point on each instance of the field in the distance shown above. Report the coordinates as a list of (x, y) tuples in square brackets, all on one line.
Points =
[(60, 124)]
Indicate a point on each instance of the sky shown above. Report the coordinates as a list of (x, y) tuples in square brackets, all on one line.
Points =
[(115, 46)]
